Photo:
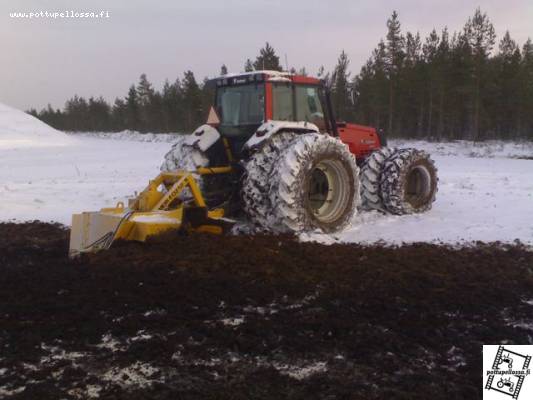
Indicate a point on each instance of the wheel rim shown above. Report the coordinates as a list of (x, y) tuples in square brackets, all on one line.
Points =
[(418, 185), (328, 194)]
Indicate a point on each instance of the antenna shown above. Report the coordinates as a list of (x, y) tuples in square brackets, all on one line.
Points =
[(286, 62)]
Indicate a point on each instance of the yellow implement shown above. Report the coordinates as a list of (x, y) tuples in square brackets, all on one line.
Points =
[(156, 209)]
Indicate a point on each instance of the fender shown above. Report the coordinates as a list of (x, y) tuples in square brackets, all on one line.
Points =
[(269, 128), (202, 138)]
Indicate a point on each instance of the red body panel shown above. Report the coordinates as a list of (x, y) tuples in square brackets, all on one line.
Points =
[(361, 140)]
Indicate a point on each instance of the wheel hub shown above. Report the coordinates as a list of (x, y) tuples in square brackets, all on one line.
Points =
[(328, 190), (418, 185)]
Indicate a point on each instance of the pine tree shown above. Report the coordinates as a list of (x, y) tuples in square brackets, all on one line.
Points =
[(526, 80), (442, 61), (341, 90), (411, 96), (132, 109), (192, 101), (145, 94), (506, 99), (479, 34), (324, 76), (267, 59), (223, 70), (394, 56), (77, 111), (99, 115), (430, 51), (144, 90), (119, 115), (248, 66), (413, 48)]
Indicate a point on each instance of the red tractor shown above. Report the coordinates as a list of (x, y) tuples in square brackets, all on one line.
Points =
[(294, 167)]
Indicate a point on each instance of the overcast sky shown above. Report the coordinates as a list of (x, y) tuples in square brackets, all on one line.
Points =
[(48, 60)]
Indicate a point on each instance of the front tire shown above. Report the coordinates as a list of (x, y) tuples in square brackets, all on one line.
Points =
[(183, 157), (315, 185)]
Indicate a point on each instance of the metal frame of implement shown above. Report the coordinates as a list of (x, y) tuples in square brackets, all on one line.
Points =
[(153, 211)]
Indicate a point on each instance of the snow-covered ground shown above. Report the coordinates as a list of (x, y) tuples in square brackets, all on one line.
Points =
[(486, 198), (52, 183), (48, 175), (485, 190)]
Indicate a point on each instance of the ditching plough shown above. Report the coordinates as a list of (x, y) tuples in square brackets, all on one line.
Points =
[(173, 200)]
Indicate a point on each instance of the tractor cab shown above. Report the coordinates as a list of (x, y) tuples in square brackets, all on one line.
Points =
[(244, 102)]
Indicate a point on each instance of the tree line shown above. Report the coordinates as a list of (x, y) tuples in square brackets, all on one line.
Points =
[(460, 85), (463, 85), (180, 106)]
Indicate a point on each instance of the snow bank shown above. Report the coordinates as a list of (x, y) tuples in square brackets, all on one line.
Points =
[(132, 136), (52, 183), (18, 129), (466, 148)]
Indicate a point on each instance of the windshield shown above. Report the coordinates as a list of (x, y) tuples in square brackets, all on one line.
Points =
[(241, 105)]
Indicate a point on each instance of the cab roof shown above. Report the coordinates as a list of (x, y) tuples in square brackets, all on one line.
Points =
[(262, 76)]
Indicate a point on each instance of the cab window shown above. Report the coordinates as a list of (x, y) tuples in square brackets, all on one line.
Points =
[(308, 105), (241, 105), (283, 105)]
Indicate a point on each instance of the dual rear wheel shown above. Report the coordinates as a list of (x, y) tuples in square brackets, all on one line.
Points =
[(398, 181), (311, 181)]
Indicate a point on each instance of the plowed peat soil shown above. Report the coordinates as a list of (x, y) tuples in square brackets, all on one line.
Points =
[(254, 317)]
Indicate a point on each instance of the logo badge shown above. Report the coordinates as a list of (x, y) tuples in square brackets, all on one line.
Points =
[(506, 372)]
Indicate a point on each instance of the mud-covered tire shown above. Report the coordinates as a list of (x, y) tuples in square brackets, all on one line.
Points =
[(408, 182), (315, 185), (370, 176), (255, 181), (183, 157)]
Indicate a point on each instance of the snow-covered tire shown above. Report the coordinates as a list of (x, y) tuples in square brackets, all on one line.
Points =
[(255, 182), (370, 176), (408, 182), (184, 157), (315, 185)]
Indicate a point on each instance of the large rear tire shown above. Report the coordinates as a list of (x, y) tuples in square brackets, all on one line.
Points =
[(315, 185), (408, 182), (370, 176), (255, 182)]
